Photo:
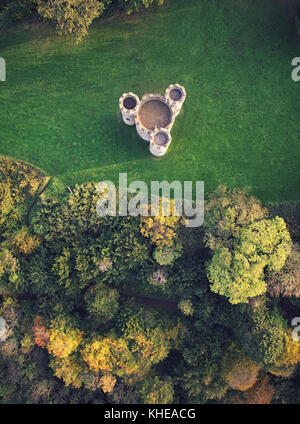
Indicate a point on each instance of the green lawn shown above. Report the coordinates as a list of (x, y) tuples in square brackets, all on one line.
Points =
[(240, 122)]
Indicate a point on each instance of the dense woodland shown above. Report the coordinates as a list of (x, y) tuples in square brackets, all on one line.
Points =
[(141, 310), (144, 309)]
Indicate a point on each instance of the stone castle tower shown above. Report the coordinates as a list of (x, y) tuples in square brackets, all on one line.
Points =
[(154, 115)]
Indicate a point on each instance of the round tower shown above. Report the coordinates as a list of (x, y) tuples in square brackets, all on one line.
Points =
[(175, 95), (159, 142), (129, 103)]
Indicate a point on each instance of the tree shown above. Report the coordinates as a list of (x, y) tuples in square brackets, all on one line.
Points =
[(260, 394), (286, 282), (71, 16), (63, 338), (291, 352), (107, 383), (234, 276), (102, 302), (186, 307), (159, 278), (238, 370), (238, 274), (69, 369), (167, 255), (24, 242), (227, 213), (261, 333), (157, 390), (40, 333), (109, 355), (161, 228)]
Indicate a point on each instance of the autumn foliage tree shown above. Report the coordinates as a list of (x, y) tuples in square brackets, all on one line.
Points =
[(40, 332), (286, 282), (238, 370), (108, 354), (24, 242), (63, 339), (69, 369), (161, 228), (291, 352), (260, 394)]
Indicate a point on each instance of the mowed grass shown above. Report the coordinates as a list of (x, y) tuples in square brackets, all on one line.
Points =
[(240, 122)]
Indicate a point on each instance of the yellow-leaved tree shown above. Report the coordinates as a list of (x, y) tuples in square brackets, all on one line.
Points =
[(71, 16), (63, 339), (161, 227), (108, 354)]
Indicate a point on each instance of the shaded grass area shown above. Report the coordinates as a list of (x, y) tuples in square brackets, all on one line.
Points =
[(240, 122)]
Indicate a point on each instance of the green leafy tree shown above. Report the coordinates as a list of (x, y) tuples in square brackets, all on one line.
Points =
[(261, 334), (167, 255), (200, 373), (186, 307), (102, 302), (157, 390), (227, 213), (239, 274)]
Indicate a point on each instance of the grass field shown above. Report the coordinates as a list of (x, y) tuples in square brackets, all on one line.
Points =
[(240, 122)]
